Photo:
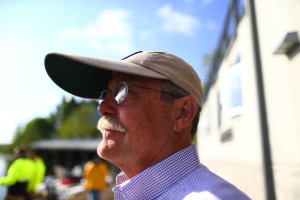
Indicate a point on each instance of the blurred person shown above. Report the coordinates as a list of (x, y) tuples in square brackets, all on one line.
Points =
[(39, 168), (95, 173), (19, 176), (150, 103)]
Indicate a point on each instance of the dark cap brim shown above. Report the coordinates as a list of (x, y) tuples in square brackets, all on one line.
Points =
[(75, 77), (86, 77)]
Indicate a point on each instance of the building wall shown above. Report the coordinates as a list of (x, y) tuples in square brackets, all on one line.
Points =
[(281, 78), (239, 159)]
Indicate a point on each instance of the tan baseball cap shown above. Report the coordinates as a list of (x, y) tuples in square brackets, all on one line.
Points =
[(86, 77)]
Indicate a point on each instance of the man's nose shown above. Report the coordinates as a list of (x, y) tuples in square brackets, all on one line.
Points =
[(106, 106)]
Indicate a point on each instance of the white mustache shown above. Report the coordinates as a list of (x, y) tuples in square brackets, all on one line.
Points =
[(110, 123)]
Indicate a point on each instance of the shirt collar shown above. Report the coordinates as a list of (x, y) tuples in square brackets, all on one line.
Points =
[(156, 179)]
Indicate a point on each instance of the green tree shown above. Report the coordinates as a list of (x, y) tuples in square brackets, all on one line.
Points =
[(81, 123), (37, 129), (63, 110), (70, 120)]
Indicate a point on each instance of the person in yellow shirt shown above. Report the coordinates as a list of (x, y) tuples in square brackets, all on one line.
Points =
[(39, 174), (19, 175), (94, 173)]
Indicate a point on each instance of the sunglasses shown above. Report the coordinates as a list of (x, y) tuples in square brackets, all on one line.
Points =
[(120, 92)]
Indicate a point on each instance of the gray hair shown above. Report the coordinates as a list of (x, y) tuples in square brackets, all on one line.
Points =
[(176, 92)]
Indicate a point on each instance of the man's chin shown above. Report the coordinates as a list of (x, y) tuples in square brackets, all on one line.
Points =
[(106, 151)]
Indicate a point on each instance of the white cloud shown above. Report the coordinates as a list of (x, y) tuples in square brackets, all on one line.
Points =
[(110, 30), (177, 22)]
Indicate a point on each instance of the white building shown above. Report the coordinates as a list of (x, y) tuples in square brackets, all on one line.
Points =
[(249, 129)]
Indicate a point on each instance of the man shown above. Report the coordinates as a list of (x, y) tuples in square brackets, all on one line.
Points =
[(18, 176), (95, 173), (39, 168), (151, 102)]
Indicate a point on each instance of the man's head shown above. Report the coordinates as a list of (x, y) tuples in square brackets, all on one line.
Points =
[(32, 154), (150, 103), (19, 152)]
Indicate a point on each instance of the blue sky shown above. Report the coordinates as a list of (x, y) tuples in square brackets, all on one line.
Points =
[(97, 28)]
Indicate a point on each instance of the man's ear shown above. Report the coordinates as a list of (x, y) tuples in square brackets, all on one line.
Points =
[(187, 111)]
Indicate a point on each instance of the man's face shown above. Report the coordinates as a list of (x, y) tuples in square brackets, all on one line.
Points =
[(148, 123)]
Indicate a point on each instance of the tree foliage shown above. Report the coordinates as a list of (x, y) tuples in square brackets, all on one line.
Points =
[(80, 123), (64, 109), (37, 129), (70, 120)]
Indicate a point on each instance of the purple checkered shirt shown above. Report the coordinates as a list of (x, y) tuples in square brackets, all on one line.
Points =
[(180, 176)]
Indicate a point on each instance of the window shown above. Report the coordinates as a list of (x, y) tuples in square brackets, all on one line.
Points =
[(231, 90)]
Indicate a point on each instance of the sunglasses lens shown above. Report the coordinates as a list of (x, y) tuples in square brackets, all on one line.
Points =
[(120, 92)]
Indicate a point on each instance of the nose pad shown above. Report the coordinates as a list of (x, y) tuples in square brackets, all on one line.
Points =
[(103, 94)]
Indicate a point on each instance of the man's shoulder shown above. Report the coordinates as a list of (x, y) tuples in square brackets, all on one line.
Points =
[(204, 184), (202, 177), (89, 165), (21, 162)]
